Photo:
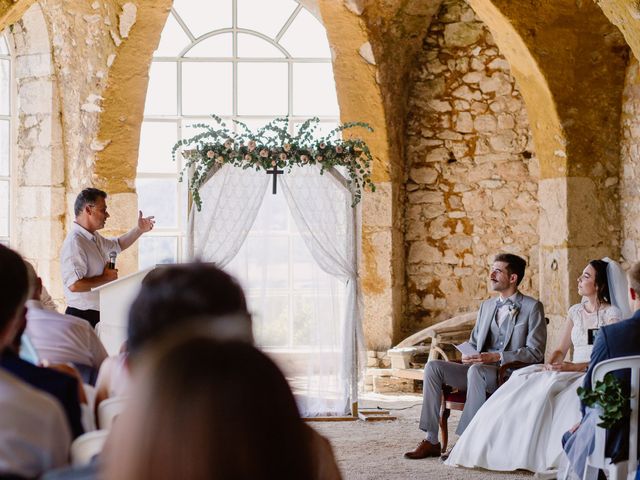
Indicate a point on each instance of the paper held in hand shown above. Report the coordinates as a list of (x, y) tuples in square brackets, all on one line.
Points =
[(467, 349)]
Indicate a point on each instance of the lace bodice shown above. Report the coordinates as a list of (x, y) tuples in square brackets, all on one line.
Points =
[(583, 321)]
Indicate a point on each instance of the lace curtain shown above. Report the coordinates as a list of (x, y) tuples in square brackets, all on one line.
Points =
[(321, 208)]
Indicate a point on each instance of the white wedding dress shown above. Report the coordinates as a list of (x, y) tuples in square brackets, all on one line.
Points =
[(522, 423)]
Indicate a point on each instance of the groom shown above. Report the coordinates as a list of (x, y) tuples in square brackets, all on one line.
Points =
[(509, 328)]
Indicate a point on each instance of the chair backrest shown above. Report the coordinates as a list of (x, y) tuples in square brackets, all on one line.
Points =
[(87, 446), (600, 370), (108, 410)]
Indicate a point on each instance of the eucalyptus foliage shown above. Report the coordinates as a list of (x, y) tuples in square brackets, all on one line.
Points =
[(273, 146)]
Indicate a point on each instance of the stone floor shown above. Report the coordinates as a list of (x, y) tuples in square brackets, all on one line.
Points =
[(373, 450)]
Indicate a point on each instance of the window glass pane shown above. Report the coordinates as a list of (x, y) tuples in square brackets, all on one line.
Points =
[(270, 320), (273, 215), (262, 89), (206, 88), (314, 91), (161, 92), (216, 46), (154, 250), (159, 197), (266, 17), (252, 46), (156, 141), (306, 37), (203, 17), (4, 208), (254, 124), (5, 90), (5, 141), (322, 128), (4, 48), (173, 39), (268, 251), (302, 265)]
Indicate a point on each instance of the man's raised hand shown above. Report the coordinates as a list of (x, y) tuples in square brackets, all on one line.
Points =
[(145, 224)]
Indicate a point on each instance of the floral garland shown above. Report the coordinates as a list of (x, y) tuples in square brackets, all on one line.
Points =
[(272, 146)]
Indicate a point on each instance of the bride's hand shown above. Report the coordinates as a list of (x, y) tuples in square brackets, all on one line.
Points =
[(560, 367)]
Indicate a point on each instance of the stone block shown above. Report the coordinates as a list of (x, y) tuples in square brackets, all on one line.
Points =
[(422, 252), (464, 122), (39, 202), (33, 65), (392, 384), (485, 123), (35, 97), (462, 34), (377, 207)]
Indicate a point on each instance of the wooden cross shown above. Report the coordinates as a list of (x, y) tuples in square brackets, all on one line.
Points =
[(275, 172)]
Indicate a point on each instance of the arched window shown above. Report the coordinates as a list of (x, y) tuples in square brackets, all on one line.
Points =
[(250, 60), (6, 190)]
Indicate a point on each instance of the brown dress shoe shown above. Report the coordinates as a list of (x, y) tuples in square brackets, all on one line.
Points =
[(423, 450)]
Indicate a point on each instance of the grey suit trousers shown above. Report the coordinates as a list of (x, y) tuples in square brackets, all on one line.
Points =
[(478, 380)]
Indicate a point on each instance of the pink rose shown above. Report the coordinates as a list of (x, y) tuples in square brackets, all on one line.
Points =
[(251, 145), (304, 158), (264, 153), (247, 157), (283, 156), (287, 147), (220, 159), (319, 158), (273, 163), (210, 154), (339, 149), (322, 146)]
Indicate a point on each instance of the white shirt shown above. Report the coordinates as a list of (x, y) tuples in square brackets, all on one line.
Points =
[(503, 312), (84, 255), (34, 432), (63, 338)]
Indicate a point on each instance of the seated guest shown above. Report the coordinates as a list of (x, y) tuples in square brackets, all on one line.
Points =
[(196, 398), (62, 338), (510, 327), (34, 433), (613, 341), (65, 388)]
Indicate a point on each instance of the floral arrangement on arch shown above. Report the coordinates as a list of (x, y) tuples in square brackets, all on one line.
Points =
[(272, 146)]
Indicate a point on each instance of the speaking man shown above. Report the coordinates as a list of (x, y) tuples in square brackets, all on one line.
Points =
[(88, 259)]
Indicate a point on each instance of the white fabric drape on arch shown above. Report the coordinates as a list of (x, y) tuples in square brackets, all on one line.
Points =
[(321, 208), (231, 199)]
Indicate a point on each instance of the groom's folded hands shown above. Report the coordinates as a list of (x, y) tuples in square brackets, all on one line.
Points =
[(483, 357)]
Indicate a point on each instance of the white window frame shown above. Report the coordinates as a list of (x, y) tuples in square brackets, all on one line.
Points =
[(11, 117), (180, 120)]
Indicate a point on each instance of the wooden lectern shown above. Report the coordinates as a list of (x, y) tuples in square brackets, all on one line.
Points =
[(115, 299)]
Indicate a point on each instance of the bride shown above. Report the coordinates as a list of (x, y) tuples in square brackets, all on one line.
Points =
[(521, 425)]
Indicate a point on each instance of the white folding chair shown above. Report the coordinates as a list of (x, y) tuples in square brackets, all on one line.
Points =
[(620, 470), (108, 410), (87, 446)]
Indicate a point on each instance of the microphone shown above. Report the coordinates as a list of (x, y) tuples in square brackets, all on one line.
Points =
[(112, 260)]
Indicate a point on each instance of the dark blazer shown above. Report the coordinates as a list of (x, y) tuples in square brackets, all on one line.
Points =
[(621, 339), (62, 387)]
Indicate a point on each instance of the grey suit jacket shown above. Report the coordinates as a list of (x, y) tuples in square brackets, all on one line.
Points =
[(526, 336)]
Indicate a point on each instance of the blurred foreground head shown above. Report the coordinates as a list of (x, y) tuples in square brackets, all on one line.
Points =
[(206, 410), (174, 297)]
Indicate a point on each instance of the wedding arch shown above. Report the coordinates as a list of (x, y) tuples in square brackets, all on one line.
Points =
[(321, 205)]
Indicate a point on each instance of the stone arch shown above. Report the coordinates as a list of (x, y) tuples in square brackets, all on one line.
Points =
[(12, 10), (359, 97)]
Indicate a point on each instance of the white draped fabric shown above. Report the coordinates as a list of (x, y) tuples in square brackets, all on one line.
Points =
[(231, 199), (332, 341)]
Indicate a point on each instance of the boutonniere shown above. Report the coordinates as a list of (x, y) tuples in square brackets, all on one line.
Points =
[(514, 309)]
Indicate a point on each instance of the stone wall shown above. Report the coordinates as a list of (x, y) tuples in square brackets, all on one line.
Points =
[(472, 171), (40, 175), (630, 165)]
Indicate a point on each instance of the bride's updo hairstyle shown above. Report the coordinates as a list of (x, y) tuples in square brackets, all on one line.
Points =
[(601, 280)]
